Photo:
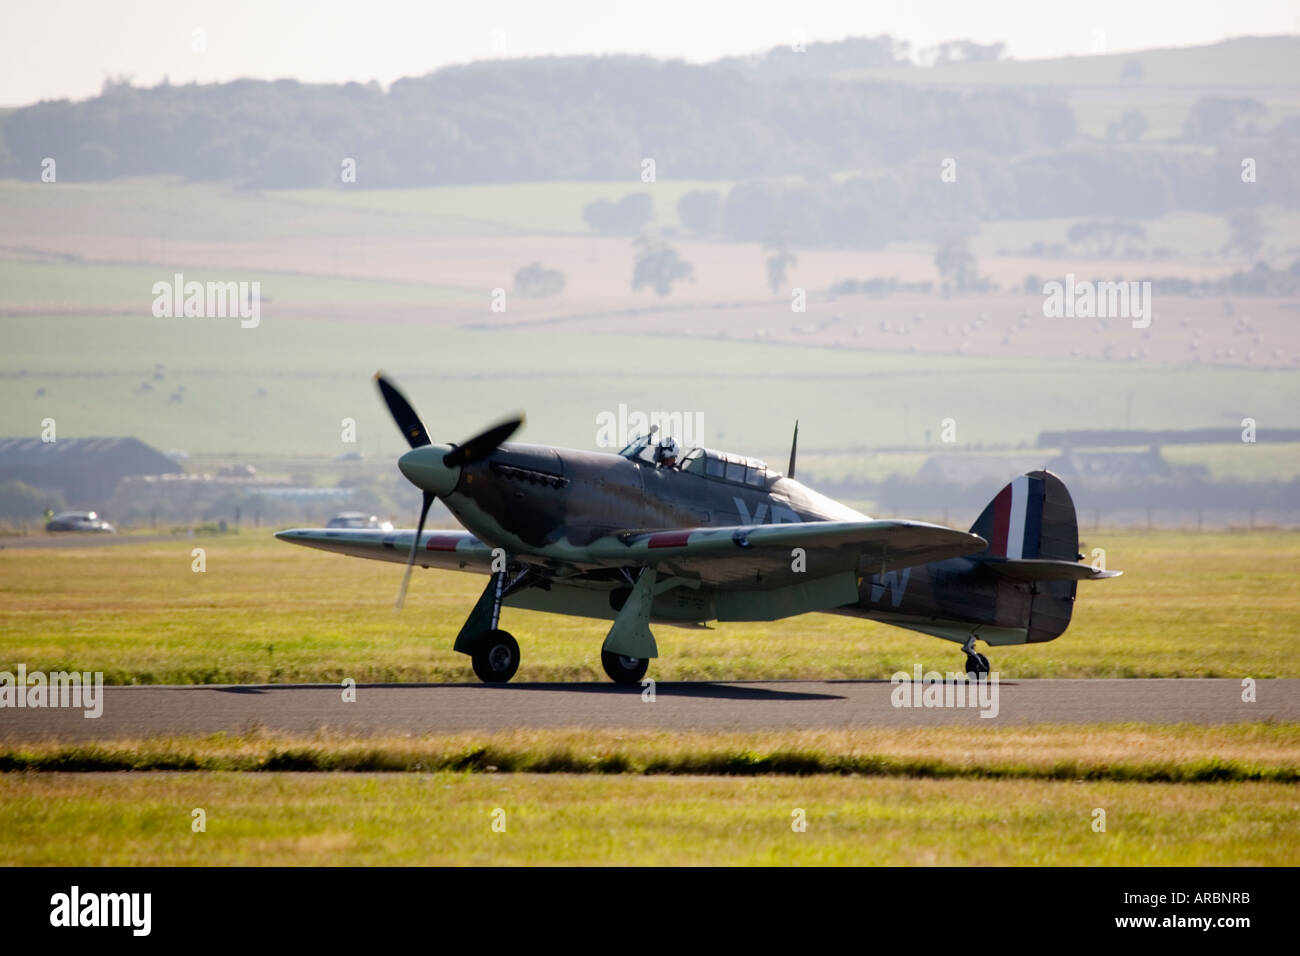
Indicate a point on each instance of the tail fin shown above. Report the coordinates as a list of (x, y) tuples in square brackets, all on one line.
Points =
[(1028, 524), (1033, 517)]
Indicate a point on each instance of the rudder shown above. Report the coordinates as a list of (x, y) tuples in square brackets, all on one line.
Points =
[(1033, 517)]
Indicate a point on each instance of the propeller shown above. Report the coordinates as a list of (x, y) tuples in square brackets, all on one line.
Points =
[(415, 545), (431, 469), (482, 444), (402, 412)]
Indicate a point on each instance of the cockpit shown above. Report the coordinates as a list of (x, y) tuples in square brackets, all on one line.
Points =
[(707, 463)]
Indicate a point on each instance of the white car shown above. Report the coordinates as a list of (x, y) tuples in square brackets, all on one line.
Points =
[(358, 519)]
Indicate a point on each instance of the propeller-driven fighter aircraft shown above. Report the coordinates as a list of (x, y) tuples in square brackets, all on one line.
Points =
[(652, 536)]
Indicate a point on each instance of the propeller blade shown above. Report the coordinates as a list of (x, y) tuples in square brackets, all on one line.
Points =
[(482, 444), (402, 412), (415, 546)]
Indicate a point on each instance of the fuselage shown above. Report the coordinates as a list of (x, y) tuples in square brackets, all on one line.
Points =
[(526, 497), (553, 502)]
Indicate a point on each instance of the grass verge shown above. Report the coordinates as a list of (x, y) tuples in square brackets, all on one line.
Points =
[(1122, 753)]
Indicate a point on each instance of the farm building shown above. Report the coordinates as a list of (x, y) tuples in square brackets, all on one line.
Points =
[(85, 470)]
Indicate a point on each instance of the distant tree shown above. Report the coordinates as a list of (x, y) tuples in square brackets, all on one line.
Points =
[(1133, 71), (1212, 118), (23, 502), (956, 264), (536, 281), (626, 217), (1245, 234), (779, 259), (854, 53), (700, 211), (658, 266)]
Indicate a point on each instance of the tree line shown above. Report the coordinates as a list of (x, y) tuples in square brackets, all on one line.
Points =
[(583, 118)]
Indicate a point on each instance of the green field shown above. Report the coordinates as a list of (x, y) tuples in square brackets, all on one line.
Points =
[(1189, 605), (447, 818), (149, 210), (87, 287), (532, 208), (316, 373)]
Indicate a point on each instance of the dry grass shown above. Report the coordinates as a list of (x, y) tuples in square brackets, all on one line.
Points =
[(1184, 753)]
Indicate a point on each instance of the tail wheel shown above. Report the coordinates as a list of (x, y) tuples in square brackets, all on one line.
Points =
[(495, 657), (624, 670)]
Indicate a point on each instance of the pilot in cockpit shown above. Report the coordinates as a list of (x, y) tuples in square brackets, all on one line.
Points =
[(666, 453)]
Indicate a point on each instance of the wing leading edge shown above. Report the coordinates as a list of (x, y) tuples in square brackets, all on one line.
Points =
[(452, 550)]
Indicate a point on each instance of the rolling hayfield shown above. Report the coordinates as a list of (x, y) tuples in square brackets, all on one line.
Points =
[(89, 372), (355, 281)]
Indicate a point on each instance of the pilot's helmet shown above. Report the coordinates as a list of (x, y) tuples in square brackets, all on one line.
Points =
[(668, 448)]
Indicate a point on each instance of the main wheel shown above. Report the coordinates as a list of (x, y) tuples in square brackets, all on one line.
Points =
[(624, 670), (495, 657), (977, 664)]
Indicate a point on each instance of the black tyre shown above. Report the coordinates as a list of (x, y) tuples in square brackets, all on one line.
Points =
[(977, 664), (624, 670), (496, 657)]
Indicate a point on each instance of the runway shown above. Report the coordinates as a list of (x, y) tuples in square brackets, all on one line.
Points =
[(73, 539), (138, 711)]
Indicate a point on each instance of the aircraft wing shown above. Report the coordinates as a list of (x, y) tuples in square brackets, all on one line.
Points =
[(747, 557), (452, 550), (759, 556)]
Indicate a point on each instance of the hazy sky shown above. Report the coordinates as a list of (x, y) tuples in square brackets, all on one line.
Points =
[(65, 48)]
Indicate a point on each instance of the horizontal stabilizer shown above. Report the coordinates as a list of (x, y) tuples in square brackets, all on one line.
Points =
[(1045, 569)]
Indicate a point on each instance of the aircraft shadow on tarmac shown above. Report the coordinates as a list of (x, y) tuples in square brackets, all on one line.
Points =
[(679, 689), (674, 689)]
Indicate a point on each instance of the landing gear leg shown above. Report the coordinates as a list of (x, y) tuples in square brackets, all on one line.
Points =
[(495, 652), (629, 645), (977, 665)]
